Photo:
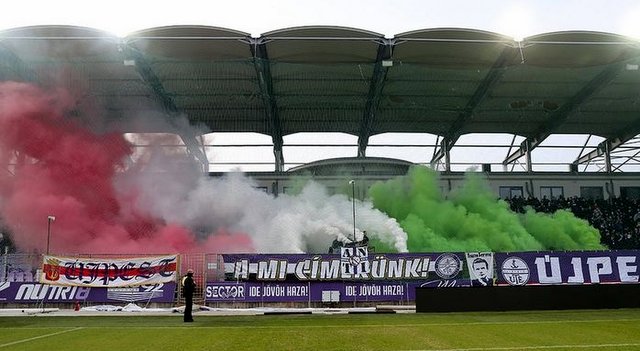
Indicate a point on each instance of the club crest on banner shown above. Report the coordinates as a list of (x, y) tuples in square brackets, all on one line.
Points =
[(354, 261), (515, 271), (448, 265), (52, 269)]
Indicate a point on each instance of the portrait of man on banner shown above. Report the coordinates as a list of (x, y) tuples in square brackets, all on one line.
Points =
[(480, 267)]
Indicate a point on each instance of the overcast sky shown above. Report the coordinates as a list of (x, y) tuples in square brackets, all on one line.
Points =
[(514, 18)]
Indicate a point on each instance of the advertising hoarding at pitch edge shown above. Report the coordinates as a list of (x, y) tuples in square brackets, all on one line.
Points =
[(108, 272), (32, 292), (585, 267), (103, 280), (394, 277), (376, 277)]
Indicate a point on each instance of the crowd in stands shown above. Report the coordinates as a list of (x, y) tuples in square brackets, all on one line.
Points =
[(617, 219)]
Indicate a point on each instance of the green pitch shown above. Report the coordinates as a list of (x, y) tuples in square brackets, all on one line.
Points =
[(555, 330)]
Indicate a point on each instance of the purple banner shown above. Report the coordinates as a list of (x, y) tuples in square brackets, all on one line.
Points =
[(309, 292), (347, 266), (572, 267), (12, 292)]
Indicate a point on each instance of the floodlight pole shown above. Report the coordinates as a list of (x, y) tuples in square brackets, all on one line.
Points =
[(353, 201), (49, 220), (5, 265)]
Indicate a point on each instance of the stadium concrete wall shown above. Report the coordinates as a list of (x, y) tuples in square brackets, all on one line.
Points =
[(530, 183)]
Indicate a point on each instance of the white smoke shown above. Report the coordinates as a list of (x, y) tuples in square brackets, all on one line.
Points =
[(306, 222)]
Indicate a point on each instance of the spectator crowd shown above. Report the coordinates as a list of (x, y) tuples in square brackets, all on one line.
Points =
[(617, 219)]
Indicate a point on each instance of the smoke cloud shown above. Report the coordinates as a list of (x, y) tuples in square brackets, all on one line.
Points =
[(472, 219), (55, 167), (108, 199)]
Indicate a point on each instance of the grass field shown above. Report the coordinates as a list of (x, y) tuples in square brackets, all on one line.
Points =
[(554, 330)]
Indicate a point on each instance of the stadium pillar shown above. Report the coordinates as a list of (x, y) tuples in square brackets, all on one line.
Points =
[(49, 220), (353, 201)]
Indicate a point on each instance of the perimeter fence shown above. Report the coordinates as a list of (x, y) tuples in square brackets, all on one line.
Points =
[(20, 276)]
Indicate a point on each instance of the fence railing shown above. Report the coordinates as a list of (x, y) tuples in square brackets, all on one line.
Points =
[(21, 272)]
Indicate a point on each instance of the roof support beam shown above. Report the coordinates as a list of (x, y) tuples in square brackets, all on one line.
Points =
[(385, 50), (442, 152), (559, 116), (627, 160), (263, 71), (605, 147), (194, 147), (493, 76)]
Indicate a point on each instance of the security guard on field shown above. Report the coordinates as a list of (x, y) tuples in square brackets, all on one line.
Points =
[(188, 287)]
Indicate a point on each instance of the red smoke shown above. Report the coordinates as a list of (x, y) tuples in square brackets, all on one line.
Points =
[(54, 166)]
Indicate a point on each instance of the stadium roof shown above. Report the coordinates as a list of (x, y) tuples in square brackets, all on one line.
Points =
[(448, 82)]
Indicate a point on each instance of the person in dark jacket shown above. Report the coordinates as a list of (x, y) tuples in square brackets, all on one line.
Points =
[(188, 287), (480, 268), (365, 238)]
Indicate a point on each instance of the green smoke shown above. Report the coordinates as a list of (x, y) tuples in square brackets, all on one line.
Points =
[(473, 219), (562, 231), (381, 246)]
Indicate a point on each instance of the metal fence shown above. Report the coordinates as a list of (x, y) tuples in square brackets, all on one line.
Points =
[(26, 268)]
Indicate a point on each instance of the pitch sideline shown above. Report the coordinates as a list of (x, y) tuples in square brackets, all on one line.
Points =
[(39, 337), (543, 347)]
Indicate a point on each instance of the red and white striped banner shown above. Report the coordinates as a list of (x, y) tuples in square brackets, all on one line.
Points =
[(108, 272)]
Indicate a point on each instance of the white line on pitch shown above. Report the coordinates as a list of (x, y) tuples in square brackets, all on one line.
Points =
[(543, 347), (340, 326), (40, 337), (398, 325)]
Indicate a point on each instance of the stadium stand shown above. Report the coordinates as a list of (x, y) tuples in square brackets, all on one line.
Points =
[(617, 219), (444, 84)]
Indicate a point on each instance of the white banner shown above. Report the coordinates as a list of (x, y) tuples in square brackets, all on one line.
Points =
[(354, 261), (480, 268), (108, 272)]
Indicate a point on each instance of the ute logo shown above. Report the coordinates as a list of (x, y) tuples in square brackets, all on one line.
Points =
[(515, 271)]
